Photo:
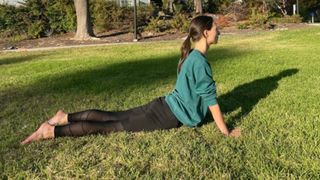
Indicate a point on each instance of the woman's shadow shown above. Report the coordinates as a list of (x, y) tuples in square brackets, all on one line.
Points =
[(247, 95)]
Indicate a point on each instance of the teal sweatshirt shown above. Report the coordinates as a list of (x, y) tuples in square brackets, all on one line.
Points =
[(194, 92)]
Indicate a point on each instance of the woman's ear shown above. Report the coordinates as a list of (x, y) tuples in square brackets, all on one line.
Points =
[(205, 33)]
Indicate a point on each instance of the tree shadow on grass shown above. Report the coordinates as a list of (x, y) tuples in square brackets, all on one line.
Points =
[(247, 95), (108, 78), (20, 59)]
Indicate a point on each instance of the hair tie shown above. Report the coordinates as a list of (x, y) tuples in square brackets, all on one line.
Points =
[(189, 37)]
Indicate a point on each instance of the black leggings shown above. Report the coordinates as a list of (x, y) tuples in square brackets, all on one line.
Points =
[(152, 116)]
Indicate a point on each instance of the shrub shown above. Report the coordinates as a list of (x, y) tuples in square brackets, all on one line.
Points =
[(243, 25), (223, 21), (35, 29), (61, 16), (235, 11), (12, 21), (34, 12), (180, 22), (157, 25), (144, 14), (36, 18), (287, 19), (107, 15), (260, 19)]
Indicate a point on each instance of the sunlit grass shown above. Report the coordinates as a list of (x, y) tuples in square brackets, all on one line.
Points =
[(268, 85)]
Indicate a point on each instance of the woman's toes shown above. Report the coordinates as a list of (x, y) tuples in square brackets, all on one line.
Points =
[(44, 132), (29, 138)]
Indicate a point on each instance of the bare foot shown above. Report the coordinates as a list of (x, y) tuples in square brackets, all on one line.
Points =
[(59, 119), (45, 131)]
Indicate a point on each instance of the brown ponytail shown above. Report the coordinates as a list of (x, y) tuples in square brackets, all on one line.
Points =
[(185, 48), (197, 27)]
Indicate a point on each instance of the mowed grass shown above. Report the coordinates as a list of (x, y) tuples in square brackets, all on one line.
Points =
[(267, 84)]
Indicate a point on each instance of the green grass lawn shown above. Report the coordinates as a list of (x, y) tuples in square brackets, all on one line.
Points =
[(267, 84)]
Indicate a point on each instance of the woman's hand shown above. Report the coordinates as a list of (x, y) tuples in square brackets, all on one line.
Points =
[(236, 132), (218, 118)]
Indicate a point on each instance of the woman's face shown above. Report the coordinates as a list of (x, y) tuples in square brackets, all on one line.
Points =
[(212, 34)]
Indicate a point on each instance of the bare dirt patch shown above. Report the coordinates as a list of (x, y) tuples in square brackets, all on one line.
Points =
[(121, 36)]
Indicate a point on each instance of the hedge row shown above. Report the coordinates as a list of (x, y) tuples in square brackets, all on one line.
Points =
[(37, 18)]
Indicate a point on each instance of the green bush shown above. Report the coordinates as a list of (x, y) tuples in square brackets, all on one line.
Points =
[(287, 19), (157, 25), (2, 17), (36, 18), (58, 16), (243, 25), (180, 22), (12, 21), (34, 12), (259, 20), (35, 29), (107, 15), (144, 14), (61, 16)]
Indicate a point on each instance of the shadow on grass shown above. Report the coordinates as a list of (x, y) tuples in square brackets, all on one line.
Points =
[(247, 95), (114, 78), (14, 60)]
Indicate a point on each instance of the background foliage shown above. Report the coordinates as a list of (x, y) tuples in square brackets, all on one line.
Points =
[(37, 18)]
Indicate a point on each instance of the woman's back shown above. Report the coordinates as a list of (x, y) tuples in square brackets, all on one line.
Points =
[(195, 90)]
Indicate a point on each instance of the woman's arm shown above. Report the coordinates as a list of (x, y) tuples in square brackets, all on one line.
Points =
[(218, 118)]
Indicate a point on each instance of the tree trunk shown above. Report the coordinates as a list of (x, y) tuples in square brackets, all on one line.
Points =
[(171, 6), (84, 26), (264, 7), (198, 6), (282, 7)]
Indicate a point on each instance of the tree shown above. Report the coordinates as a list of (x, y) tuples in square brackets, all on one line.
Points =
[(198, 6), (84, 25), (170, 5), (282, 6), (265, 6), (308, 6)]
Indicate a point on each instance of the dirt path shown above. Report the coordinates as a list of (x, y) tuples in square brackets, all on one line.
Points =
[(114, 37)]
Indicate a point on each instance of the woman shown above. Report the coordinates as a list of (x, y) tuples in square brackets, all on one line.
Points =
[(187, 104)]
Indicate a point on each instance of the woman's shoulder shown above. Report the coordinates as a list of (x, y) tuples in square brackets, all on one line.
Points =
[(194, 61), (198, 61), (197, 56)]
